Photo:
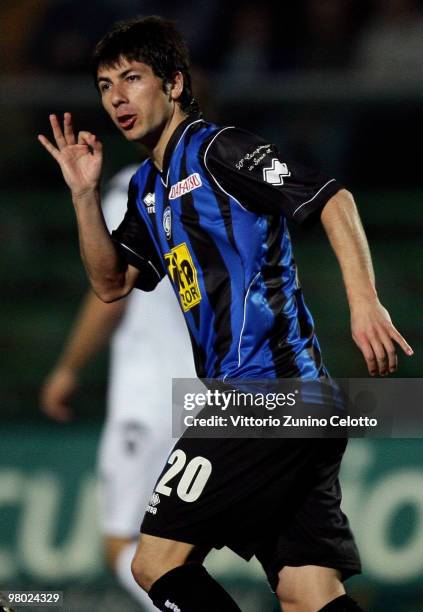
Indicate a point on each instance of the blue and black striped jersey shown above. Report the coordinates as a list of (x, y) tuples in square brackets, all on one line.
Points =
[(215, 220)]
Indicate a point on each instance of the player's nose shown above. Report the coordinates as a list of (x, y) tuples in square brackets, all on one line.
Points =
[(118, 95)]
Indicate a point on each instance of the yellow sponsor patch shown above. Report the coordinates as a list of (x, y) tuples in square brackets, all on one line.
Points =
[(184, 276)]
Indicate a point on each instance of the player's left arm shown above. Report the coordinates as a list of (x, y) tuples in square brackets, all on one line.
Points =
[(256, 174), (371, 325)]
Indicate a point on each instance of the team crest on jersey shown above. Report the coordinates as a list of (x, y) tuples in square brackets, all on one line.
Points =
[(167, 222), (184, 276), (150, 202), (275, 173), (193, 181)]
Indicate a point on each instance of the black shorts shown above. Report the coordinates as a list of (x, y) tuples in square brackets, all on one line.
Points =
[(277, 499)]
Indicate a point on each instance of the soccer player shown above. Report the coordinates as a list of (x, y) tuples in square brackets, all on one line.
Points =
[(219, 230), (149, 346)]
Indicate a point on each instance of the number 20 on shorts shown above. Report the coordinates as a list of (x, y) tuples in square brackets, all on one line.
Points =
[(193, 480)]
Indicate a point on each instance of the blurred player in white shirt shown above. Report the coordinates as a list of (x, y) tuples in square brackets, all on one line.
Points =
[(149, 346)]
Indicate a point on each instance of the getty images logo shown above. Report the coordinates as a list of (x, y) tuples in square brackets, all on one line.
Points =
[(172, 606)]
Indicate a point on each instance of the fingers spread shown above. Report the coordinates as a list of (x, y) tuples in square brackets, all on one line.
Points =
[(68, 128), (47, 145), (57, 132), (62, 139)]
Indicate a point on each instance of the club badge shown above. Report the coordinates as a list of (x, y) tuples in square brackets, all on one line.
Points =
[(167, 222)]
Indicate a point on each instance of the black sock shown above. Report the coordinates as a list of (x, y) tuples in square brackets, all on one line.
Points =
[(190, 588), (344, 603)]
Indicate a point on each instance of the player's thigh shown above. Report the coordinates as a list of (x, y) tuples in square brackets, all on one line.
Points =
[(227, 491), (318, 532), (308, 588)]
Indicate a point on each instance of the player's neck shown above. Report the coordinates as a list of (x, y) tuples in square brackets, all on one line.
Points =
[(157, 152)]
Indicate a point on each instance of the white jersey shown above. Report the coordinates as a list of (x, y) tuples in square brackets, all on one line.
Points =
[(151, 344)]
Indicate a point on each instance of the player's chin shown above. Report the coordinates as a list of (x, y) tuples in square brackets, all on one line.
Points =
[(131, 135)]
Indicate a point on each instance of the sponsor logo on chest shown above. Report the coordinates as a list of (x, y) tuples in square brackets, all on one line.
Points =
[(193, 181), (183, 274)]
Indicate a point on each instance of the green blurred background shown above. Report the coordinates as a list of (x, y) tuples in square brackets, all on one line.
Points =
[(321, 81)]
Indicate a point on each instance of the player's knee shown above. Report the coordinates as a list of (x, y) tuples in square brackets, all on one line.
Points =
[(288, 590), (288, 599), (155, 557), (146, 571), (311, 586), (142, 572), (290, 595)]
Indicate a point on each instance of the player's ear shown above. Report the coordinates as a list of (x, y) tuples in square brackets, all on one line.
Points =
[(176, 86)]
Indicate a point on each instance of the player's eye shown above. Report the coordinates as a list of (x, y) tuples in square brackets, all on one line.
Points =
[(132, 77), (104, 87)]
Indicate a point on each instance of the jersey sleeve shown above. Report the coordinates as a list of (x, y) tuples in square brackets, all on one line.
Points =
[(254, 172), (134, 242)]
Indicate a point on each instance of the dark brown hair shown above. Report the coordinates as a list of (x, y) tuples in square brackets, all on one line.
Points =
[(153, 41)]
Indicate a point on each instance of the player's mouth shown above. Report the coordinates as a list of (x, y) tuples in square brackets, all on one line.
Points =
[(127, 122)]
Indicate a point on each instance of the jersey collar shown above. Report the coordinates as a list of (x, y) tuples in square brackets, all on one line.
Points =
[(173, 143)]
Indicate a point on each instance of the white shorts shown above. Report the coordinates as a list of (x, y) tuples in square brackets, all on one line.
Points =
[(130, 458)]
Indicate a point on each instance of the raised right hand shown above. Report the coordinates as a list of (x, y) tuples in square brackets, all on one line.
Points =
[(80, 160)]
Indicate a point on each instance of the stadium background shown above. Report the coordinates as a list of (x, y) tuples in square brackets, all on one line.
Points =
[(336, 84)]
